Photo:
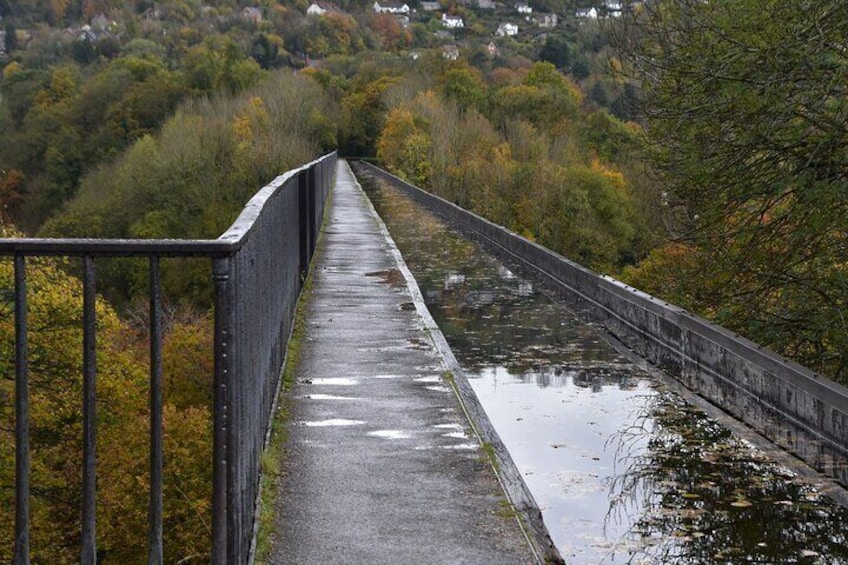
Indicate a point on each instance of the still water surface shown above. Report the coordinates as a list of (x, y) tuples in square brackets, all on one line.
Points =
[(625, 470)]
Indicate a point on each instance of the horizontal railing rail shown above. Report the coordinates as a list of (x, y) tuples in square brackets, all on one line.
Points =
[(794, 407), (257, 267)]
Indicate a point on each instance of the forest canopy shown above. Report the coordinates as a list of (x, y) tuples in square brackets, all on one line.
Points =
[(746, 114)]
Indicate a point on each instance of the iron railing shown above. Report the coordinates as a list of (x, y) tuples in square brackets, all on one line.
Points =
[(257, 266)]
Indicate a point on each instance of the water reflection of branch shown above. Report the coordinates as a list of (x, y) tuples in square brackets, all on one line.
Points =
[(631, 484), (697, 495)]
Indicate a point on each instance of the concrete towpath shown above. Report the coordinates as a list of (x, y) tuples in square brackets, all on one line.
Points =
[(380, 464)]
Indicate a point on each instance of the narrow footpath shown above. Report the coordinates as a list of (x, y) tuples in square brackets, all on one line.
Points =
[(380, 465)]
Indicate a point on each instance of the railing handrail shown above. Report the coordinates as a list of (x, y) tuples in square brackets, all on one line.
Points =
[(242, 227), (227, 243), (256, 284)]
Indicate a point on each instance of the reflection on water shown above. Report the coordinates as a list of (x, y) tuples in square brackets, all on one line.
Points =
[(624, 470)]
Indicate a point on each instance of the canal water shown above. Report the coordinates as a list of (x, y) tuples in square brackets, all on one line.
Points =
[(623, 468)]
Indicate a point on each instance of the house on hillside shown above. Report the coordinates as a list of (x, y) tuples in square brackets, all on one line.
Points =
[(390, 7), (523, 8), (321, 8), (492, 48), (430, 6), (450, 52), (252, 14), (485, 4), (85, 33), (315, 9), (506, 29), (452, 21), (545, 20), (587, 13), (152, 14), (613, 7)]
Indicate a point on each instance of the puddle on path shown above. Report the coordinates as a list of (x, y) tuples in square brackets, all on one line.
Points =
[(625, 470)]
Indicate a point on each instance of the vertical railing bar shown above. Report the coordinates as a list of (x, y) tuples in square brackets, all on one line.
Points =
[(155, 545), (303, 224), (22, 463), (223, 364), (313, 230), (238, 354), (89, 414)]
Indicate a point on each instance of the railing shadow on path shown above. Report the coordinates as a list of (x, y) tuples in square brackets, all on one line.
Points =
[(258, 267)]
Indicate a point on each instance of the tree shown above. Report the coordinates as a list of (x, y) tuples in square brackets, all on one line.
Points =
[(557, 51), (464, 84), (404, 147), (746, 109), (264, 51)]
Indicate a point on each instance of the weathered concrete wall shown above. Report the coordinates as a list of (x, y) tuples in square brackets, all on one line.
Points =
[(799, 410)]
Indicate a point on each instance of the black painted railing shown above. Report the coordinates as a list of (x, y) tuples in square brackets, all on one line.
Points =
[(257, 267)]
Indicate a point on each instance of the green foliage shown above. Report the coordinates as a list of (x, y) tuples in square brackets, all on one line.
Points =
[(746, 112), (464, 85), (545, 98), (530, 176), (193, 178), (557, 51)]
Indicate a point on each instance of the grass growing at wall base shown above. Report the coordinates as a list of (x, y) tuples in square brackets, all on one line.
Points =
[(271, 458)]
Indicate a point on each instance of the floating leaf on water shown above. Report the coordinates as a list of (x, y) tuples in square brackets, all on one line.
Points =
[(809, 553), (691, 495), (741, 503)]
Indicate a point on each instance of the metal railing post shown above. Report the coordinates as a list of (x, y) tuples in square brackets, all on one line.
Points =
[(223, 370), (89, 415), (303, 222), (313, 220), (155, 550), (22, 464)]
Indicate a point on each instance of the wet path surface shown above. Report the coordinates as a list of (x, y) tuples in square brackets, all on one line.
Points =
[(380, 466), (624, 469)]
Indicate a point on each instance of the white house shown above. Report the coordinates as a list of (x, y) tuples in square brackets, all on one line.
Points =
[(613, 7), (523, 8), (450, 52), (391, 7), (315, 9), (587, 13), (507, 29), (452, 21)]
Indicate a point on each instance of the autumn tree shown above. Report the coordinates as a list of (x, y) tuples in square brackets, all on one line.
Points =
[(746, 109), (404, 146), (55, 382)]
